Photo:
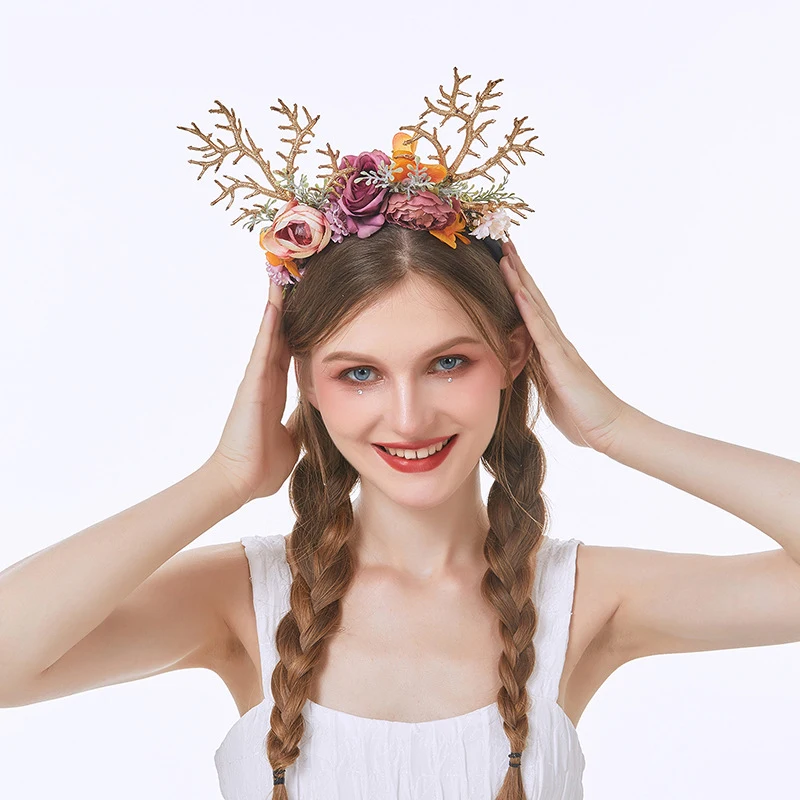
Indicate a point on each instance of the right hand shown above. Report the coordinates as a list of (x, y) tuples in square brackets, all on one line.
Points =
[(256, 452)]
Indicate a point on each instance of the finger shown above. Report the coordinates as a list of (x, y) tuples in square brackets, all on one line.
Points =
[(276, 295), (511, 275), (277, 350), (548, 342), (510, 251), (530, 285), (519, 290), (282, 352), (509, 248), (283, 355), (263, 344), (267, 348)]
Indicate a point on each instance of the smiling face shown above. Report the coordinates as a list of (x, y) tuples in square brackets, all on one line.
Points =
[(400, 352)]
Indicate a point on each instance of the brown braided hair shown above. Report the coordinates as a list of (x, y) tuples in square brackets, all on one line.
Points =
[(338, 284)]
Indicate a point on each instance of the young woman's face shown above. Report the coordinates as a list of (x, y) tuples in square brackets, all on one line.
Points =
[(400, 353)]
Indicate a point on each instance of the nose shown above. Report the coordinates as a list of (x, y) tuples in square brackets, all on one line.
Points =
[(411, 410)]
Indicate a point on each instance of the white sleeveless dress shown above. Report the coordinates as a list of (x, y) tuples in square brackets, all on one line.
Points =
[(348, 757)]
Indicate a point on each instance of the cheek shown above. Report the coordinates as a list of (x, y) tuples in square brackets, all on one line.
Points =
[(335, 405), (476, 397)]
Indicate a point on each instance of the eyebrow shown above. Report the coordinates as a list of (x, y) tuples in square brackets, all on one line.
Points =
[(348, 355)]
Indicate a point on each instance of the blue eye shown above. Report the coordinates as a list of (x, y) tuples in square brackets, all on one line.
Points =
[(457, 368)]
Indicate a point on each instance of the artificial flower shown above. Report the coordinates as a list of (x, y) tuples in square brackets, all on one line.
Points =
[(449, 234), (421, 211), (362, 203), (494, 224), (337, 219), (404, 157), (282, 271), (297, 231)]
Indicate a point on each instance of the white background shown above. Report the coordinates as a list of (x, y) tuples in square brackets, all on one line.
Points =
[(664, 237)]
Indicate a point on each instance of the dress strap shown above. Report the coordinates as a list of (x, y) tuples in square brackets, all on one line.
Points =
[(554, 591), (270, 577)]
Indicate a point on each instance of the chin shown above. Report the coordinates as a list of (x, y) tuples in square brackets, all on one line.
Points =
[(421, 491), (419, 499)]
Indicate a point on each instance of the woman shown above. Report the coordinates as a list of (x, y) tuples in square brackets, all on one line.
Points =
[(404, 644), (413, 642)]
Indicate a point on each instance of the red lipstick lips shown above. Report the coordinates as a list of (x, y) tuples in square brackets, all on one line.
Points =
[(413, 445), (417, 464)]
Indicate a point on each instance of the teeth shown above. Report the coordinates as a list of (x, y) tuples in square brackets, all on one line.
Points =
[(423, 453)]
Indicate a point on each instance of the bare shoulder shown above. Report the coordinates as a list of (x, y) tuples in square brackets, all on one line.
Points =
[(596, 600), (593, 653), (604, 575), (221, 575), (218, 575), (234, 591), (240, 666)]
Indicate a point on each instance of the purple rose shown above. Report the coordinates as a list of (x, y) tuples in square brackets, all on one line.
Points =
[(362, 204)]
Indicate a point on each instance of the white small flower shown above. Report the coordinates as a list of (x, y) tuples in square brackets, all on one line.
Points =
[(495, 224)]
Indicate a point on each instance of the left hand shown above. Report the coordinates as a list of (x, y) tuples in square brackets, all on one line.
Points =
[(579, 404)]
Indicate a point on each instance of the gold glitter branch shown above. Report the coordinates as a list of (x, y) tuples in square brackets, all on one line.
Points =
[(448, 108), (215, 152), (330, 179), (300, 133)]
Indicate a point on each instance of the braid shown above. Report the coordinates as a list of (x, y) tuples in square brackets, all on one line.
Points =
[(343, 281), (321, 564), (517, 518), (322, 568)]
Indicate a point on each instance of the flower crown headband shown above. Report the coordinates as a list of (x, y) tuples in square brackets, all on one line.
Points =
[(364, 192)]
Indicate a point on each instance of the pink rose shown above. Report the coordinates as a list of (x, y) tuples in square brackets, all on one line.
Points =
[(362, 203), (297, 231), (422, 211)]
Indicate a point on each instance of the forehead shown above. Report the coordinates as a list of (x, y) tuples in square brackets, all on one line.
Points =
[(410, 319)]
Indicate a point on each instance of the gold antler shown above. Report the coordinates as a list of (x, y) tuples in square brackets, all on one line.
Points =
[(215, 153), (448, 107), (299, 134), (330, 180)]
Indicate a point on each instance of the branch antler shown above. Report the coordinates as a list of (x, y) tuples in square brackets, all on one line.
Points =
[(300, 134), (448, 108), (215, 152), (332, 185)]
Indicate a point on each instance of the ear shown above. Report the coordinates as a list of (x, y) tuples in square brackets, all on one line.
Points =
[(304, 382), (519, 348)]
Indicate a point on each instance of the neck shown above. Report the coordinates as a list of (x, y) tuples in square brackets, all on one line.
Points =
[(424, 543)]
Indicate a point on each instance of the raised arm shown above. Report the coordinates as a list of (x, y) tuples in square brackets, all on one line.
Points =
[(118, 601), (104, 603)]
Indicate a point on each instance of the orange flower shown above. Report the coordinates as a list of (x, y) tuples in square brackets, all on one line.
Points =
[(403, 156), (448, 235), (289, 263)]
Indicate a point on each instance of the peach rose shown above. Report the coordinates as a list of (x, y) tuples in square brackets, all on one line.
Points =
[(297, 231)]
